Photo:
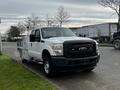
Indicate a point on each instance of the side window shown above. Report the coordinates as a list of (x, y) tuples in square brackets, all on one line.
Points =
[(32, 36), (33, 32), (37, 35)]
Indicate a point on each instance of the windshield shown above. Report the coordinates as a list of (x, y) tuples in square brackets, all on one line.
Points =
[(56, 32)]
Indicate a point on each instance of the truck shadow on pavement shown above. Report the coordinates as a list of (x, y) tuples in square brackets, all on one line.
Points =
[(68, 74)]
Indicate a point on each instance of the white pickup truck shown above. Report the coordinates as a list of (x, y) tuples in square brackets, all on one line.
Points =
[(59, 49)]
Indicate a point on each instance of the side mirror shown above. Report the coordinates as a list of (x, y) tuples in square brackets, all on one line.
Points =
[(32, 38)]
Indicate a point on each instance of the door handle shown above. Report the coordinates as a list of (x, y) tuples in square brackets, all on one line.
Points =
[(31, 44)]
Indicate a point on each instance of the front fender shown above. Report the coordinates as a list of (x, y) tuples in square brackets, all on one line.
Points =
[(115, 39), (49, 49)]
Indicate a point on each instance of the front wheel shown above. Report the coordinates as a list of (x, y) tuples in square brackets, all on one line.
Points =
[(48, 67), (116, 44)]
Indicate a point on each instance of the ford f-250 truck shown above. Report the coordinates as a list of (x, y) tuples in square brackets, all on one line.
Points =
[(59, 49)]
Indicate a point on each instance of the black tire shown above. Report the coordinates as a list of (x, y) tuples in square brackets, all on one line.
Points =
[(116, 44), (48, 68), (89, 69), (24, 61)]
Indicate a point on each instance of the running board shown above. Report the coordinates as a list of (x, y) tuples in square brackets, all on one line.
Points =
[(37, 61)]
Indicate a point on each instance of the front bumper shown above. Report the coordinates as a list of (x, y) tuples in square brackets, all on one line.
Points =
[(75, 63)]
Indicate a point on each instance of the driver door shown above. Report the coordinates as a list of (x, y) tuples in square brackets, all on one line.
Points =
[(38, 44)]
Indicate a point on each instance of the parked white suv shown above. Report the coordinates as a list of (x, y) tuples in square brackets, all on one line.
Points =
[(59, 49)]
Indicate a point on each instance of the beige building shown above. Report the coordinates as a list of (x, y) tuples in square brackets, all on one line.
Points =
[(102, 31)]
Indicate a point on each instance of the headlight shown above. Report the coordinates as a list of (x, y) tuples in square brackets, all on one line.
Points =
[(58, 49), (97, 47)]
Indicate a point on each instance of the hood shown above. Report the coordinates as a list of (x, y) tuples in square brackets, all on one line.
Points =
[(63, 39)]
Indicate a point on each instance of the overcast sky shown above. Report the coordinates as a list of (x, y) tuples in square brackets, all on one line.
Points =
[(82, 12)]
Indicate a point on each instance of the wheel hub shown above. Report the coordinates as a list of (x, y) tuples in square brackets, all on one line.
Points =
[(117, 45), (46, 67)]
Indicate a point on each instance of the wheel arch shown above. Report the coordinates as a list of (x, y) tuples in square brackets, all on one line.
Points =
[(45, 52), (117, 38)]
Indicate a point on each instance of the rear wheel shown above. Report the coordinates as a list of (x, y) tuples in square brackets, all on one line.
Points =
[(24, 61), (48, 66), (116, 44)]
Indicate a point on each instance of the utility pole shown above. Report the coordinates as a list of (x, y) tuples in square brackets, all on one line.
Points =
[(0, 41), (118, 27)]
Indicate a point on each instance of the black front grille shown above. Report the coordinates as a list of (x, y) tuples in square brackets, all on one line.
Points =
[(79, 49)]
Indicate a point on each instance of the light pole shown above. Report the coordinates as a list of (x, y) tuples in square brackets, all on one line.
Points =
[(0, 41)]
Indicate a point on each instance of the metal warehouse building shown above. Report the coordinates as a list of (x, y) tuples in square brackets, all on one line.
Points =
[(103, 31)]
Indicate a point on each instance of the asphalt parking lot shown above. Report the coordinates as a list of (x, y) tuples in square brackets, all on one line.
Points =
[(106, 76)]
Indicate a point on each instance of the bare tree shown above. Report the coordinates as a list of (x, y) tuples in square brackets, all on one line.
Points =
[(114, 5), (22, 28), (49, 20), (62, 16), (32, 22)]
